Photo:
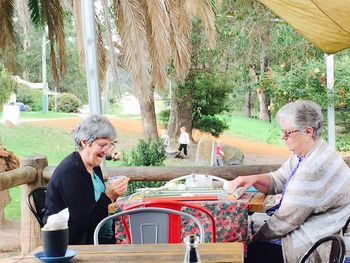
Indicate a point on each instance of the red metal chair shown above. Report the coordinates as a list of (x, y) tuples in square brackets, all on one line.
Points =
[(174, 220)]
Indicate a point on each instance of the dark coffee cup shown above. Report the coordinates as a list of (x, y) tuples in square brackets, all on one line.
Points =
[(55, 242)]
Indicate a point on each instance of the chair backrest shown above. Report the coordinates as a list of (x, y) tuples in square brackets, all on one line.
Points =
[(149, 225), (36, 203), (337, 251), (345, 227), (184, 177), (176, 205)]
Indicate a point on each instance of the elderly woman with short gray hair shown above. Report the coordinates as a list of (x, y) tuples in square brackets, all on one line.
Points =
[(314, 186), (77, 183)]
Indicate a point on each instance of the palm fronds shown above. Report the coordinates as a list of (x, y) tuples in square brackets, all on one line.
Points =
[(50, 13), (158, 27), (179, 37), (131, 25), (79, 31), (7, 35), (205, 11)]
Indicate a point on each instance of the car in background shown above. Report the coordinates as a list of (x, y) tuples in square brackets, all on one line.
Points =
[(21, 106)]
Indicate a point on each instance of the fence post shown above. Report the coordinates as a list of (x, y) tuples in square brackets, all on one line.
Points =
[(30, 228)]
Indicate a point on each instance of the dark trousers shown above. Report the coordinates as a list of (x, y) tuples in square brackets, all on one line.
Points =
[(183, 146), (264, 251)]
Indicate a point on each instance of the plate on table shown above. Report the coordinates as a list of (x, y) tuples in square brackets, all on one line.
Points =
[(68, 256)]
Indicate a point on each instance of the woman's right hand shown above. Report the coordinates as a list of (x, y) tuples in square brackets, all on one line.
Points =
[(117, 187), (241, 181)]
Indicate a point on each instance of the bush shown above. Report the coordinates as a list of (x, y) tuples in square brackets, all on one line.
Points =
[(6, 86), (31, 98), (342, 143), (65, 103), (147, 153)]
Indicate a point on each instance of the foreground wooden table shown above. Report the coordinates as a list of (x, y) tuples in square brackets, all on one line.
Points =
[(209, 252)]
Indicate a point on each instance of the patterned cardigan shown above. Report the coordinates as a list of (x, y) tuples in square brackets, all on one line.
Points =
[(316, 202)]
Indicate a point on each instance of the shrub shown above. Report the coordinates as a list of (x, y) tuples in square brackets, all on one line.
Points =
[(342, 143), (66, 102), (32, 98), (147, 153)]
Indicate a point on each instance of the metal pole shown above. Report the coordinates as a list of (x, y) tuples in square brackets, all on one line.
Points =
[(43, 59), (330, 110), (212, 154), (92, 78)]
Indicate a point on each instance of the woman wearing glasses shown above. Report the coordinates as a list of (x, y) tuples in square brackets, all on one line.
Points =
[(77, 183), (314, 186)]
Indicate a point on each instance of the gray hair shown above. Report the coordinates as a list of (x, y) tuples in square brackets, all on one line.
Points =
[(302, 114), (92, 128)]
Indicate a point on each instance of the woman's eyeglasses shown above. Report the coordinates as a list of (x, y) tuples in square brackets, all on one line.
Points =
[(286, 134), (106, 146)]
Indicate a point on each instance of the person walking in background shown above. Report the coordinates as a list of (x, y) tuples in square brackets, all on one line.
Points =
[(165, 138), (184, 140), (219, 153)]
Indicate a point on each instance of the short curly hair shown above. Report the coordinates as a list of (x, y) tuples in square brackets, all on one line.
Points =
[(302, 114), (92, 128)]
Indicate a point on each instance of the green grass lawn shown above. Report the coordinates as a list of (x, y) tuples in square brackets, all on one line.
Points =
[(254, 129)]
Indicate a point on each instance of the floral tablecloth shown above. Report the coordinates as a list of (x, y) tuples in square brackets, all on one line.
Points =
[(231, 220)]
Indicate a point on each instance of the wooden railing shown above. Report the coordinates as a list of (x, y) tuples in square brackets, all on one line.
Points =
[(33, 172)]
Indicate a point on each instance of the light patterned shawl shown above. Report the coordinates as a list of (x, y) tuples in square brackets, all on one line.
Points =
[(316, 202)]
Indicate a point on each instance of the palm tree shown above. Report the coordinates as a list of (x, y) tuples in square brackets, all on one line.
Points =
[(154, 36), (43, 13)]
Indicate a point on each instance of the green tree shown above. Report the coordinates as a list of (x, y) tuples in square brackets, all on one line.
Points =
[(6, 86)]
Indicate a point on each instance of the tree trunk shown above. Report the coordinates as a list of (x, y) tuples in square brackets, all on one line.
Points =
[(180, 112), (263, 100), (248, 104), (7, 162), (263, 112), (148, 115)]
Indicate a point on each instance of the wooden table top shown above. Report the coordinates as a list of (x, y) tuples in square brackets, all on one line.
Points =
[(209, 252)]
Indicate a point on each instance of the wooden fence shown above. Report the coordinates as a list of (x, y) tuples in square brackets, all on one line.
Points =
[(34, 172)]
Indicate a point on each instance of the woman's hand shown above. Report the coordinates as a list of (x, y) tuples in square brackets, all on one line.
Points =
[(260, 181), (117, 187), (241, 181)]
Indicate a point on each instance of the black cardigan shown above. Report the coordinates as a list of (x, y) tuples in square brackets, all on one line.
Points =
[(71, 186)]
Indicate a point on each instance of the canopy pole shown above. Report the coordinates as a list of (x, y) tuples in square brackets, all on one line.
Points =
[(330, 91), (43, 59), (92, 78)]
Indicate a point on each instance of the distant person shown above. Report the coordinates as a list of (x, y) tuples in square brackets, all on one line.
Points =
[(165, 138), (314, 186), (219, 154), (77, 183), (184, 140)]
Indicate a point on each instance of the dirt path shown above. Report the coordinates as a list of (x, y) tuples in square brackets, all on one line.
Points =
[(255, 152), (128, 132)]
